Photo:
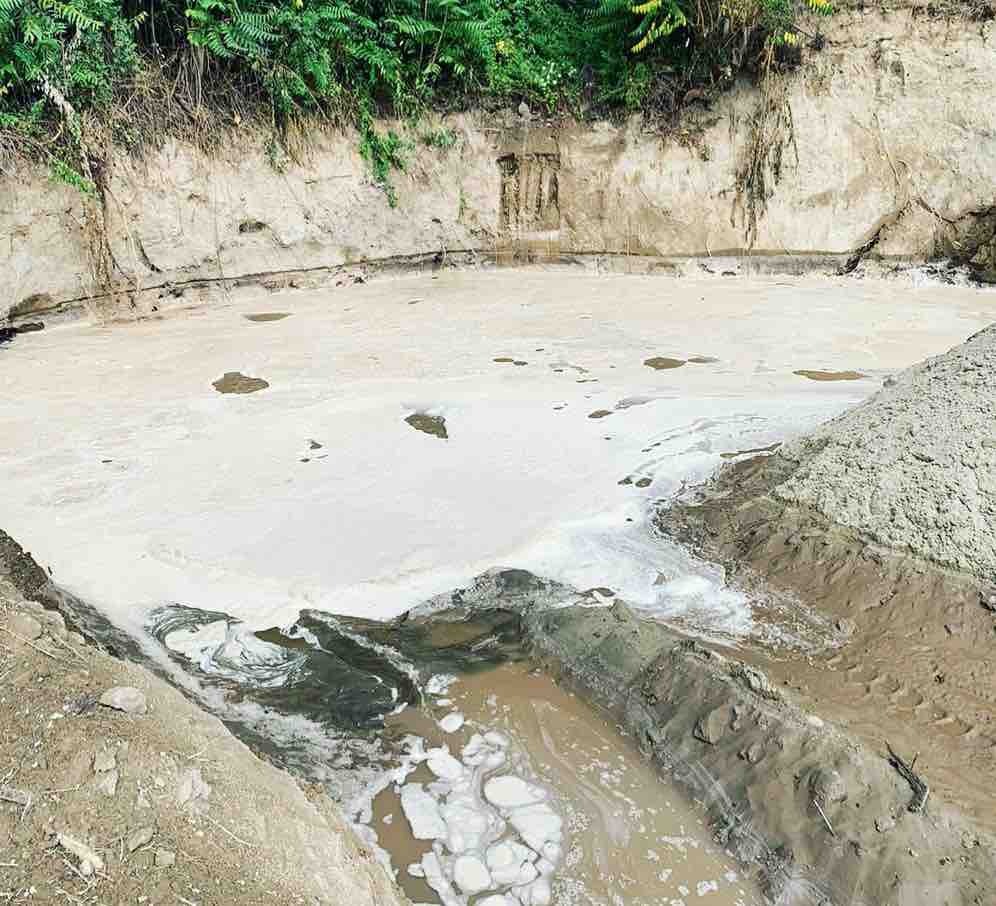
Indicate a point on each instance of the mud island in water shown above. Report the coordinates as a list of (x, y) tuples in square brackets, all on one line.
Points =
[(589, 513)]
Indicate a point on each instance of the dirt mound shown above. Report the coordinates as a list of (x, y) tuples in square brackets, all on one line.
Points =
[(914, 467), (115, 789), (880, 524)]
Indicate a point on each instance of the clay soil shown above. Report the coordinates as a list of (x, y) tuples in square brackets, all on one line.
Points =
[(173, 807), (907, 661)]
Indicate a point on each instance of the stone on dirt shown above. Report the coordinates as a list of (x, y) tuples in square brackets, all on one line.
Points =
[(125, 698), (711, 727), (88, 859), (104, 761), (25, 626), (107, 783), (191, 790), (165, 858), (140, 837)]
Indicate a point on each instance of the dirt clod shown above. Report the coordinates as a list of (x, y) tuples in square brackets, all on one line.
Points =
[(125, 698)]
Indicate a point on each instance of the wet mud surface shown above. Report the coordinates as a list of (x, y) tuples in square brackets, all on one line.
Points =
[(264, 317), (830, 375), (663, 363), (236, 382), (429, 424)]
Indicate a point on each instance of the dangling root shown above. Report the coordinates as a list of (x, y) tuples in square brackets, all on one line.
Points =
[(770, 130)]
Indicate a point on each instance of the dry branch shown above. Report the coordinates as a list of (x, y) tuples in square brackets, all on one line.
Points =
[(920, 789)]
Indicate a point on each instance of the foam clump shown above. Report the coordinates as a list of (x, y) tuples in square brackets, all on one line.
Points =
[(452, 722), (468, 813), (511, 792), (422, 812), (444, 765), (471, 875)]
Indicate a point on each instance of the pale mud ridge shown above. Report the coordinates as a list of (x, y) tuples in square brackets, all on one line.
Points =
[(915, 466)]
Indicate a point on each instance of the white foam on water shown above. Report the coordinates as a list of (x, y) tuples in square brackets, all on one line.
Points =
[(491, 833)]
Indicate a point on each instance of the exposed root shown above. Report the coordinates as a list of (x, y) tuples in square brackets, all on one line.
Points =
[(770, 131)]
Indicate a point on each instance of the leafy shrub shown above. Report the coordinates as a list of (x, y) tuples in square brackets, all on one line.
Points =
[(352, 59), (76, 49)]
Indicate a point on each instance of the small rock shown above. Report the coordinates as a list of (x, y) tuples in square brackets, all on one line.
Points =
[(191, 790), (753, 753), (54, 622), (89, 860), (885, 824), (24, 626), (846, 626), (165, 859), (827, 787), (524, 110), (125, 698), (711, 727), (987, 598), (108, 783), (140, 837), (104, 761)]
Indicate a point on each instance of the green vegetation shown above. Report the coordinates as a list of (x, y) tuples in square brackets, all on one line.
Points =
[(77, 74)]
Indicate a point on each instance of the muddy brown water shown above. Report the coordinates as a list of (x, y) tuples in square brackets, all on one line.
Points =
[(830, 375), (631, 838)]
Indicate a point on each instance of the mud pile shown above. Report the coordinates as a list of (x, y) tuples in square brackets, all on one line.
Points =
[(881, 522), (914, 467)]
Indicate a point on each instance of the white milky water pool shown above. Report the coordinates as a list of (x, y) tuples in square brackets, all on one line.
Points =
[(139, 483)]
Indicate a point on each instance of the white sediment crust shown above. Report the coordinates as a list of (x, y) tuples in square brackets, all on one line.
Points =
[(172, 471)]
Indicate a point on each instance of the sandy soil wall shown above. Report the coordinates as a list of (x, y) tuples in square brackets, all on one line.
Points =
[(882, 144)]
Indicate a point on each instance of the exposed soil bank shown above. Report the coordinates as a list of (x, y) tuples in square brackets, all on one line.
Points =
[(882, 145), (813, 814), (881, 521), (160, 805)]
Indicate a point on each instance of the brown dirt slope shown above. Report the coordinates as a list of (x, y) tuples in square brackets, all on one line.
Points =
[(910, 658), (100, 806)]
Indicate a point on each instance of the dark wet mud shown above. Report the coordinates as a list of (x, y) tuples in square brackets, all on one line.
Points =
[(830, 375), (663, 363), (266, 316), (236, 382), (428, 424)]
